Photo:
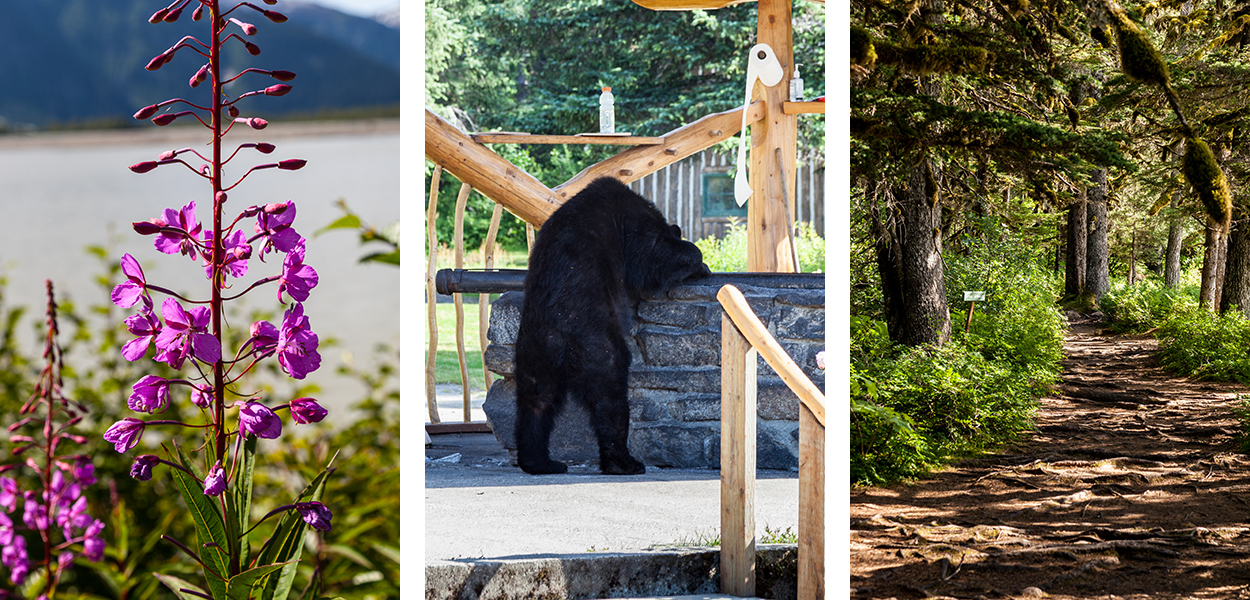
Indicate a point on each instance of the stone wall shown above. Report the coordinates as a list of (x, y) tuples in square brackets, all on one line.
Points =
[(674, 380)]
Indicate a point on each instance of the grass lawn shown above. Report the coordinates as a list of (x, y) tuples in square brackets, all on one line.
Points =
[(447, 367)]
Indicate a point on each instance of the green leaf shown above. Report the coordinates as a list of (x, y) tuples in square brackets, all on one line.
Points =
[(344, 222), (390, 258), (349, 553), (177, 585), (240, 586), (210, 528), (287, 544), (243, 493), (390, 552)]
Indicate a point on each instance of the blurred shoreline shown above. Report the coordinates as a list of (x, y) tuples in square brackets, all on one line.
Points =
[(191, 133)]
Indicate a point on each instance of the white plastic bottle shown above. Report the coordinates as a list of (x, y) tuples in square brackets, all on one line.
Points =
[(607, 112), (796, 85)]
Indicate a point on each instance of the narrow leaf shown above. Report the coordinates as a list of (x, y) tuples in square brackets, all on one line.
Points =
[(343, 222), (209, 526), (181, 587), (240, 586), (390, 258)]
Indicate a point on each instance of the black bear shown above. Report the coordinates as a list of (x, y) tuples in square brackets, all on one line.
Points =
[(593, 260)]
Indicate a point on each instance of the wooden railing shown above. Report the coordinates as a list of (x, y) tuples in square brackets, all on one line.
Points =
[(743, 337)]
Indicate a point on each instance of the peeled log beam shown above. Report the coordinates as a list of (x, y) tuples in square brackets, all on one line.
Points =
[(487, 172), (637, 162)]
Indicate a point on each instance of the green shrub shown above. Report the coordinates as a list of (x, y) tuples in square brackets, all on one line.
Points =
[(1195, 343), (1146, 305), (729, 253)]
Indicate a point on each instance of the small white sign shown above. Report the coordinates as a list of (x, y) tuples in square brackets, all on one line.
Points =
[(974, 296)]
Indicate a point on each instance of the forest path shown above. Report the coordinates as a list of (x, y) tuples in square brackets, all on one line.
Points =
[(1131, 487)]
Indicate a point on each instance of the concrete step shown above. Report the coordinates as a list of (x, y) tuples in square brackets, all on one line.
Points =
[(686, 573)]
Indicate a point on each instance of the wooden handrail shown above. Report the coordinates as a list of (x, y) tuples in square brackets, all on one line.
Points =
[(740, 312)]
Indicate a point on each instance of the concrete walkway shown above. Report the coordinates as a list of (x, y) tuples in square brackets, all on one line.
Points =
[(477, 505)]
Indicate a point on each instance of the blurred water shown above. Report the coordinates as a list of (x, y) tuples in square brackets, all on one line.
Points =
[(60, 193)]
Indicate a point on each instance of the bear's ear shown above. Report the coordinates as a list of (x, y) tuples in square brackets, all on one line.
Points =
[(676, 230)]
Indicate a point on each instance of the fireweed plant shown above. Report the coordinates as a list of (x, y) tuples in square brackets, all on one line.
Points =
[(57, 510), (187, 333)]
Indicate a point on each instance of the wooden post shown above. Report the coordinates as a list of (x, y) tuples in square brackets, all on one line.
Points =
[(458, 239), (431, 297), (737, 462), (811, 506), (768, 245), (483, 300)]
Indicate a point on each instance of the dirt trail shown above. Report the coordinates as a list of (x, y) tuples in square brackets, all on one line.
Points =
[(1131, 487)]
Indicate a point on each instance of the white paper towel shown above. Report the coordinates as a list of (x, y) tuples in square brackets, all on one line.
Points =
[(762, 64)]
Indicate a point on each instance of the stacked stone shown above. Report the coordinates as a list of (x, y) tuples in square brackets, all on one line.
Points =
[(674, 382)]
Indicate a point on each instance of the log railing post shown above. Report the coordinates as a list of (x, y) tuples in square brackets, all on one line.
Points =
[(737, 462), (431, 397), (458, 240), (742, 335)]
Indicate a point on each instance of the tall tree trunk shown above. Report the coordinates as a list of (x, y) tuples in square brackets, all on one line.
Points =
[(1236, 292), (912, 272), (1132, 257), (1074, 258), (1212, 267), (1097, 257), (1176, 236)]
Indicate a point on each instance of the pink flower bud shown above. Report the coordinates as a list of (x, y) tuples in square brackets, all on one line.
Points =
[(220, 197), (158, 16), (167, 155), (271, 2), (252, 49), (173, 15), (157, 62), (146, 112), (277, 89), (264, 148), (165, 119), (282, 75), (257, 123), (199, 76), (148, 227), (197, 13), (274, 16), (292, 164), (242, 252), (144, 166), (276, 208), (247, 28), (233, 110)]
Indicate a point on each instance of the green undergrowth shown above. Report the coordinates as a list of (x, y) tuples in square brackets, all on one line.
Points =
[(914, 409)]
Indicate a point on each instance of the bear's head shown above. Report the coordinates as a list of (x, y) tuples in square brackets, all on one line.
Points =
[(657, 258)]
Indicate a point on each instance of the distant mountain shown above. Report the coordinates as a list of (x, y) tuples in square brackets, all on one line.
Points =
[(68, 62)]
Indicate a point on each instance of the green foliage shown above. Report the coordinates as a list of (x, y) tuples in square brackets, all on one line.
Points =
[(1195, 343), (914, 408), (1139, 59), (388, 235), (1146, 305), (729, 253)]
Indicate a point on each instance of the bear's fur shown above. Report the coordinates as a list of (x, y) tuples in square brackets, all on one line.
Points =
[(593, 260)]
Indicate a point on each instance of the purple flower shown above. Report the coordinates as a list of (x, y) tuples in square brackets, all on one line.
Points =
[(84, 472), (127, 293), (36, 515), (264, 336), (297, 344), (64, 559), (146, 326), (75, 517), (151, 394), (315, 514), (273, 223), (141, 469), (186, 334), (125, 434), (215, 481), (237, 252), (256, 418), (92, 545), (306, 410), (201, 396), (6, 530), (179, 242), (8, 494), (13, 556), (297, 278)]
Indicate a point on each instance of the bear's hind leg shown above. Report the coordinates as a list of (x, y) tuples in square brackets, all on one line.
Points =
[(535, 416), (609, 413)]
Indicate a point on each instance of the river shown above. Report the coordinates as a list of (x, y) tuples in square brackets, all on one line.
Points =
[(61, 192)]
